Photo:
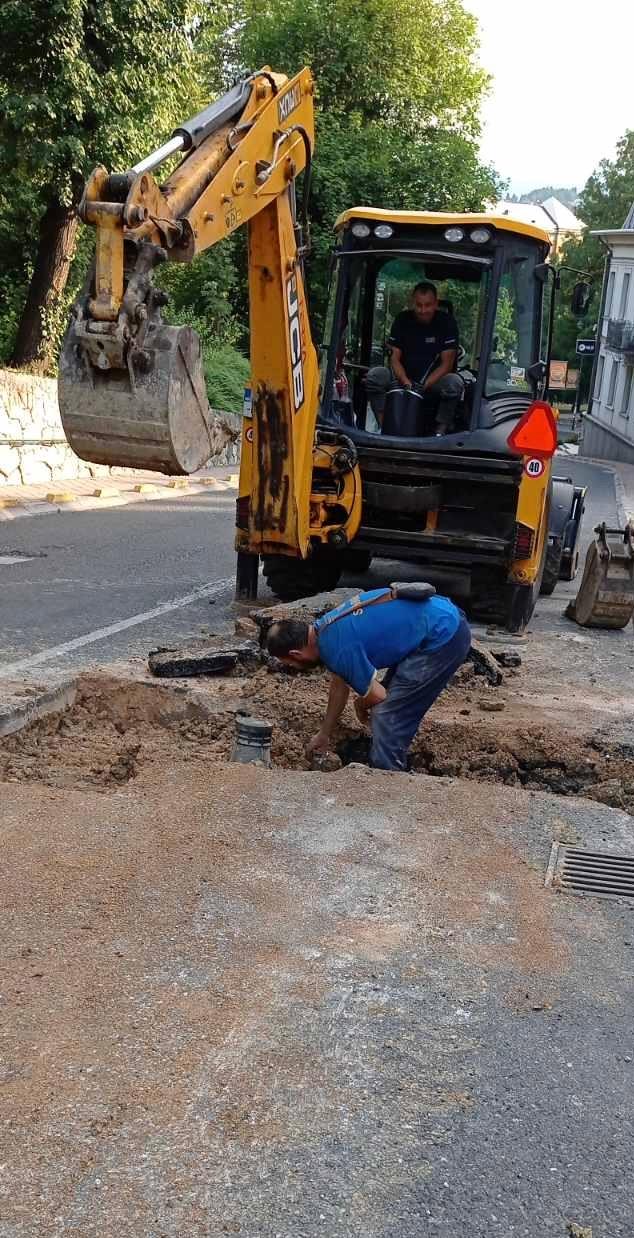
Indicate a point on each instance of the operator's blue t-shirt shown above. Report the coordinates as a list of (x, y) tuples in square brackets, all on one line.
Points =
[(368, 640)]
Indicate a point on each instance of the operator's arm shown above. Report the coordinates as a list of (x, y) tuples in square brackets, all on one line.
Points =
[(445, 366), (398, 369), (337, 699)]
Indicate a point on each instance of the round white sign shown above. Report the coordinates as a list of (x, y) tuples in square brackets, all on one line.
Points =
[(534, 467)]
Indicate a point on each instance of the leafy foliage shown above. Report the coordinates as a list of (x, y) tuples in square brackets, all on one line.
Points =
[(202, 296), (207, 288), (226, 375), (409, 63), (82, 82), (603, 203), (569, 197), (398, 98)]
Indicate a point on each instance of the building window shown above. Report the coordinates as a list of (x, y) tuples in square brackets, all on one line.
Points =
[(610, 295), (599, 382), (609, 402), (627, 392), (625, 292)]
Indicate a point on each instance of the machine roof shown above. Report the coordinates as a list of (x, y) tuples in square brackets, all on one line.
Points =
[(502, 222)]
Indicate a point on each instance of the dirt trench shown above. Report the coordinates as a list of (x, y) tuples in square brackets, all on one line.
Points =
[(119, 729)]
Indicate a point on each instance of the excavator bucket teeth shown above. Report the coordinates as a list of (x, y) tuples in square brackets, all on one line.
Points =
[(152, 413), (606, 594)]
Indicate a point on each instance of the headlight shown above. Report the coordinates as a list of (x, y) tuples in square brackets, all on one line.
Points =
[(360, 230), (383, 231), (454, 235), (480, 235)]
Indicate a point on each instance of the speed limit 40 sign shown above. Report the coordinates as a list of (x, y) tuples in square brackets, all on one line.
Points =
[(534, 467)]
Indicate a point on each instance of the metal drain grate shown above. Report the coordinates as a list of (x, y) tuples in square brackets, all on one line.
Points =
[(600, 873)]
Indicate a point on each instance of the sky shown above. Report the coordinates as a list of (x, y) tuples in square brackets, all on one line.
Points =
[(562, 86)]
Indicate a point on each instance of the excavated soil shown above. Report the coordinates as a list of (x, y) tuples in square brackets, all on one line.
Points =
[(118, 729)]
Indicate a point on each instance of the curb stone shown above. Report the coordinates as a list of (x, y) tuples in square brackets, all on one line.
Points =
[(19, 711)]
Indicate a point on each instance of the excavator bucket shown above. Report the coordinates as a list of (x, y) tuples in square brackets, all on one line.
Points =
[(151, 412), (606, 594)]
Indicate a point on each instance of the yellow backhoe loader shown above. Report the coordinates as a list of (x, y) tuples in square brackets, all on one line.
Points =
[(323, 486)]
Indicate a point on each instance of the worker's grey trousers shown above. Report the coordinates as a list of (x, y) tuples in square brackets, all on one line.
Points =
[(412, 687), (447, 393)]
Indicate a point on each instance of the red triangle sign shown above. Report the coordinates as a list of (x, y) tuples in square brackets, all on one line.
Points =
[(536, 432)]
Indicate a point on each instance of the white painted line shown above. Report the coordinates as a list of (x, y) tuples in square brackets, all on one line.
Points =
[(58, 651)]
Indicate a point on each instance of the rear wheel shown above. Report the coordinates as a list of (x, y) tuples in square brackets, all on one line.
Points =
[(290, 579), (552, 567)]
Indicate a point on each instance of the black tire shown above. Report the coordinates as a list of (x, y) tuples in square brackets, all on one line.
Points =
[(572, 540), (290, 579), (552, 567), (356, 561)]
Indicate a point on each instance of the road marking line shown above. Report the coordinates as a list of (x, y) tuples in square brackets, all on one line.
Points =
[(36, 659)]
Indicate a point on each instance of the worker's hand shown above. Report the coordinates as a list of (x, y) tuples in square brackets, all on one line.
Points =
[(319, 744), (362, 711)]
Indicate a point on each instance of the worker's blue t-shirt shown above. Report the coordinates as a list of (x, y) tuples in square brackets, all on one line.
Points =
[(368, 640)]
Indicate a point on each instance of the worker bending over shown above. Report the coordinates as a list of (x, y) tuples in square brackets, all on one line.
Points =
[(422, 643)]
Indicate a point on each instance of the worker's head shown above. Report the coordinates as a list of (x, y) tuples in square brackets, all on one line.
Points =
[(424, 301), (294, 643)]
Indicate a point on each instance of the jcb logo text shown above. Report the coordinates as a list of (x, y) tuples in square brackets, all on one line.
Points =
[(295, 339)]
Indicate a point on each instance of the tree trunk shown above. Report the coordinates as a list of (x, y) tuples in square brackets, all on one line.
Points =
[(58, 229)]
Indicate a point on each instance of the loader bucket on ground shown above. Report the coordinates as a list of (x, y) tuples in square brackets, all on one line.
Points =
[(153, 414), (606, 594)]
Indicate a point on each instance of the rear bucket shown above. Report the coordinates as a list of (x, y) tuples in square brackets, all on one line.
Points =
[(606, 594), (156, 417)]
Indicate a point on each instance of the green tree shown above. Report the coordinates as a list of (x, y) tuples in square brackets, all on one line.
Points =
[(398, 96), (603, 203), (408, 62), (81, 82)]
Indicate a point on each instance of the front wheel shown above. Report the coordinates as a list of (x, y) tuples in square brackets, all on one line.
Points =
[(290, 579), (357, 562)]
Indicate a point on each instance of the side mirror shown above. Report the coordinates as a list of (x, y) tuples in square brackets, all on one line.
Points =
[(537, 372), (580, 299)]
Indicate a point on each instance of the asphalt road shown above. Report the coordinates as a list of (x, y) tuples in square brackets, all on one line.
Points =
[(116, 583)]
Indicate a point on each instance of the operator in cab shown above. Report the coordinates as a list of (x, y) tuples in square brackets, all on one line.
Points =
[(424, 347), (421, 643)]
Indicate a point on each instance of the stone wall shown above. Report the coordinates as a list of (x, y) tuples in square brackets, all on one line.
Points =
[(33, 448), (603, 442)]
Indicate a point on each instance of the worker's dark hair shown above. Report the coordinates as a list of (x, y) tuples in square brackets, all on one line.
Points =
[(426, 286), (286, 634)]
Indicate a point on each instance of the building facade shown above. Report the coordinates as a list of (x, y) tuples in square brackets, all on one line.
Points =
[(609, 423), (553, 216)]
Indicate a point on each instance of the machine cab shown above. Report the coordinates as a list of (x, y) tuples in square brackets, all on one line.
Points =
[(485, 271)]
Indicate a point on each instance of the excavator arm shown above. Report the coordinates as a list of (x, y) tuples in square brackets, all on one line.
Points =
[(131, 388)]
